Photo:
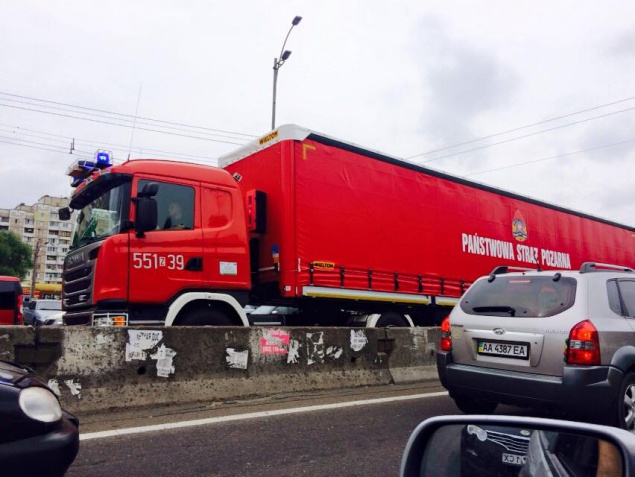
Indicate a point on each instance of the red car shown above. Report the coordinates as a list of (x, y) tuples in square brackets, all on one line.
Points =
[(10, 301)]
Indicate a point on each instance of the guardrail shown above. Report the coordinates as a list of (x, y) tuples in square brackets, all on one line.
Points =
[(95, 369)]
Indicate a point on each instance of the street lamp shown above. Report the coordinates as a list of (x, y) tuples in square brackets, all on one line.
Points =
[(277, 63)]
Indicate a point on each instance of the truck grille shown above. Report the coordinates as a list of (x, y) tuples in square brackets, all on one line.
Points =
[(77, 287), (516, 444), (77, 280)]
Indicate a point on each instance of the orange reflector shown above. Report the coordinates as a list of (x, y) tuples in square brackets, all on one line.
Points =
[(119, 320)]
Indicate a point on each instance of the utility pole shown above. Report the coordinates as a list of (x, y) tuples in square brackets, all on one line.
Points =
[(277, 63), (36, 253)]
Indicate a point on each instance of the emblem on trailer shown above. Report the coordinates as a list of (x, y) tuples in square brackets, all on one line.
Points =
[(269, 137), (322, 265), (519, 227)]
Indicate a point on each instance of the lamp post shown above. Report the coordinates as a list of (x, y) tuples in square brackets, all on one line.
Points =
[(277, 63)]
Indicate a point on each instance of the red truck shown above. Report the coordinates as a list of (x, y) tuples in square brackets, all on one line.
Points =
[(346, 235)]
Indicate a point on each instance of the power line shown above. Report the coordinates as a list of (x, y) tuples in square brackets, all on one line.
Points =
[(41, 148), (527, 135), (101, 145), (121, 125), (124, 120), (251, 136), (131, 125), (552, 157), (523, 127)]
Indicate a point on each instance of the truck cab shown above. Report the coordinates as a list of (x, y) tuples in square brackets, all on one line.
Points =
[(157, 243)]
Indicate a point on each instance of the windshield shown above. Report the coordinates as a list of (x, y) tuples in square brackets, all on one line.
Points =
[(103, 209), (520, 296)]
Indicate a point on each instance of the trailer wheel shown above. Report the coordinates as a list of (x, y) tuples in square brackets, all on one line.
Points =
[(391, 319), (206, 317)]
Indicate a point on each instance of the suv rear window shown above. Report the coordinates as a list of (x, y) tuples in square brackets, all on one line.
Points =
[(520, 296), (7, 300)]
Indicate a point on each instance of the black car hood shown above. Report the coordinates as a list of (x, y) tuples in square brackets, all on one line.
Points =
[(14, 374)]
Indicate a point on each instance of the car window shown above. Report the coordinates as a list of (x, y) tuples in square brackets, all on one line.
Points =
[(32, 305), (614, 297), (50, 305), (520, 296), (7, 300), (627, 292), (175, 205)]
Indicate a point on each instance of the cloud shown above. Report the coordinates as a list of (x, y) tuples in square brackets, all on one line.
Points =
[(461, 82), (623, 45)]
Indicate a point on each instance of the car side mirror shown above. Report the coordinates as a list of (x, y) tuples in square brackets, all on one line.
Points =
[(515, 445), (64, 213)]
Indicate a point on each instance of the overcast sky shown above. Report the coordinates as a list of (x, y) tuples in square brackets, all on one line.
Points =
[(404, 78)]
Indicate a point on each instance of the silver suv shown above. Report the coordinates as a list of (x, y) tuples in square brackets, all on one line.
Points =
[(563, 339)]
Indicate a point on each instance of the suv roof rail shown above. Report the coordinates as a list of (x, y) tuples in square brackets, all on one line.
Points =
[(510, 268), (593, 267)]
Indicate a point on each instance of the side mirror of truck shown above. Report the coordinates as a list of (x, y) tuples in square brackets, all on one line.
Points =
[(146, 217), (64, 213), (149, 190)]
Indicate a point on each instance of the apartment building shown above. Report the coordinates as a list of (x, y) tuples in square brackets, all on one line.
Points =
[(39, 226)]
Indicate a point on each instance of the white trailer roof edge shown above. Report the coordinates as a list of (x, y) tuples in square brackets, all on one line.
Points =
[(283, 133)]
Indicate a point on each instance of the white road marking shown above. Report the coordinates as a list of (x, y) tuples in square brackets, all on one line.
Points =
[(252, 415)]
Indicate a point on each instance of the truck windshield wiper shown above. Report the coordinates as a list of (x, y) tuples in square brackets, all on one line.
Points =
[(495, 309)]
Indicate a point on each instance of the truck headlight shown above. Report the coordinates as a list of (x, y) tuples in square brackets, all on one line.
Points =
[(40, 404)]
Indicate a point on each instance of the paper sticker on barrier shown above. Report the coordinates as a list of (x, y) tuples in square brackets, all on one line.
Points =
[(314, 348), (358, 340), (294, 352), (75, 388), (274, 341), (141, 341), (55, 386), (237, 359), (164, 357), (334, 352)]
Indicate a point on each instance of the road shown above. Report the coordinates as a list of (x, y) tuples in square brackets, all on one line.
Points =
[(313, 437)]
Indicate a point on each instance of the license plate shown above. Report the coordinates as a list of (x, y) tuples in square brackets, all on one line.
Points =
[(514, 459), (503, 349)]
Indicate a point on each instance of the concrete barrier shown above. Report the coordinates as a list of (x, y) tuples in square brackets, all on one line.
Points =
[(95, 369)]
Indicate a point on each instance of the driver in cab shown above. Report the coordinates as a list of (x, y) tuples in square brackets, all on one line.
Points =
[(174, 220)]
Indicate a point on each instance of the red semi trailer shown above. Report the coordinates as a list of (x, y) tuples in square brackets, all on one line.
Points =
[(344, 234)]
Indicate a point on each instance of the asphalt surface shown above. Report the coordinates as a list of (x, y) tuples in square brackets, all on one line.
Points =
[(353, 441), (361, 440)]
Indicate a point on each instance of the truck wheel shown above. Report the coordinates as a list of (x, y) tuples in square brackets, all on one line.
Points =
[(474, 405), (206, 317), (626, 403), (391, 319)]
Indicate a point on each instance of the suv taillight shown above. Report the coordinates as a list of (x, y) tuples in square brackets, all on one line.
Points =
[(584, 344), (446, 335), (20, 318)]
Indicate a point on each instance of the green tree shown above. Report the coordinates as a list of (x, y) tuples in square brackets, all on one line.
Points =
[(16, 258)]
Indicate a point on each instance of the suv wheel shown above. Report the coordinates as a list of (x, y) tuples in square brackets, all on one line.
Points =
[(474, 405), (626, 404)]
